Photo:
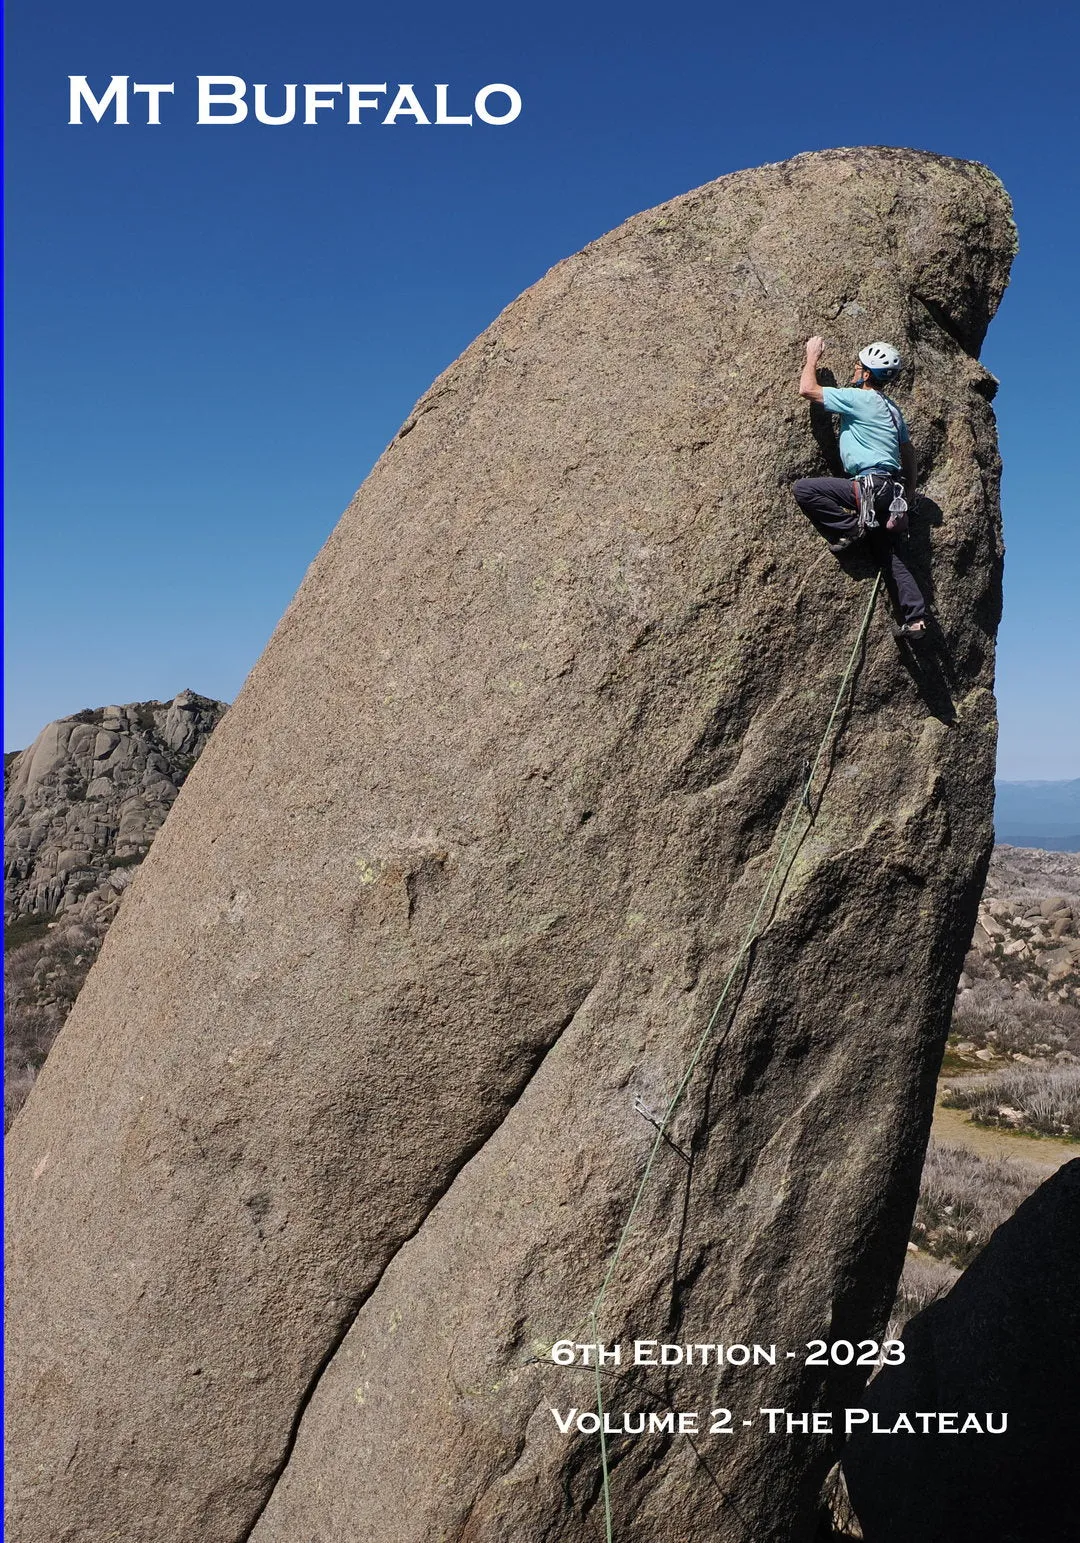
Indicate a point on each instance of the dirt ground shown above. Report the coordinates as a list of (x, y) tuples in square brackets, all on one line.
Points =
[(953, 1128)]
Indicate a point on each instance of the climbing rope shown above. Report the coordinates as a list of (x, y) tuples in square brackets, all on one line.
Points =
[(752, 935)]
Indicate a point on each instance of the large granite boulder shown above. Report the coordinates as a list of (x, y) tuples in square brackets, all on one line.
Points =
[(1004, 1346), (345, 1124)]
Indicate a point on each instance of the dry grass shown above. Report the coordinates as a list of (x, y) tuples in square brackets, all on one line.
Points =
[(44, 969), (991, 1014), (963, 1199), (1044, 1101), (838, 1523), (923, 1281)]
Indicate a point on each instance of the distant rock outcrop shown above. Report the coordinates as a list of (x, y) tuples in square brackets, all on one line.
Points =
[(345, 1124), (90, 794), (1006, 1340), (81, 807), (1027, 937)]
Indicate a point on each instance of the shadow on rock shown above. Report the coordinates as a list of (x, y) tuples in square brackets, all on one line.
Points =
[(821, 426), (1006, 1338)]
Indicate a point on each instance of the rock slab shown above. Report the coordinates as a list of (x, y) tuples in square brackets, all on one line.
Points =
[(342, 1130)]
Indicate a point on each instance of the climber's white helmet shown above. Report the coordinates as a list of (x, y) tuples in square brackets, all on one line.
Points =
[(881, 359)]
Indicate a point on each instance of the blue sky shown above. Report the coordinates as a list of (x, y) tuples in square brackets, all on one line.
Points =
[(213, 332)]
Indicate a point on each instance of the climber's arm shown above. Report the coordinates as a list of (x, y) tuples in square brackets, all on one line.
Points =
[(909, 468), (808, 384)]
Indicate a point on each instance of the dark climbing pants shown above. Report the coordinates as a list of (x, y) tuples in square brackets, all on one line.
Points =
[(829, 503)]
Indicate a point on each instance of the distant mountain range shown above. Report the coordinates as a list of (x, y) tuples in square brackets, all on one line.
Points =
[(1039, 814)]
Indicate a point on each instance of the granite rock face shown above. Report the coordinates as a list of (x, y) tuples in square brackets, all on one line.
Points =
[(342, 1130)]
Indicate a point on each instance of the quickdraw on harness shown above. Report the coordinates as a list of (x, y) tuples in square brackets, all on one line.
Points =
[(866, 496), (867, 491)]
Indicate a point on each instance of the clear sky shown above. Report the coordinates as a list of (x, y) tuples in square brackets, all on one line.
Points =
[(214, 331)]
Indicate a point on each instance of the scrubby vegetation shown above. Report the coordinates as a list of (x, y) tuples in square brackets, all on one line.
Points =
[(925, 1278), (962, 1200), (45, 964), (838, 1522), (1042, 1101), (1018, 1002), (989, 1014)]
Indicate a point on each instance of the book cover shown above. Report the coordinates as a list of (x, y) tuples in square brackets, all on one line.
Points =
[(517, 1026)]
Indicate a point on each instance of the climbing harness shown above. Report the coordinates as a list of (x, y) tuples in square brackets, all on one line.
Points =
[(866, 496), (758, 925), (865, 499)]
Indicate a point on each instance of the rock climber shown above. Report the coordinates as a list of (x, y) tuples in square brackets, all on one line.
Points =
[(875, 447)]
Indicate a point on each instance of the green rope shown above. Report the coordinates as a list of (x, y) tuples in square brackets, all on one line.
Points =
[(752, 935)]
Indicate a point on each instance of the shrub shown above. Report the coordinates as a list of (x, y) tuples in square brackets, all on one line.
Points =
[(1042, 1100), (976, 967), (963, 1198), (991, 1014), (838, 1522), (44, 969), (28, 929)]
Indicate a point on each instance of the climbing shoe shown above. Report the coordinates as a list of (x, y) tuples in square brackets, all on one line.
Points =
[(912, 629)]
